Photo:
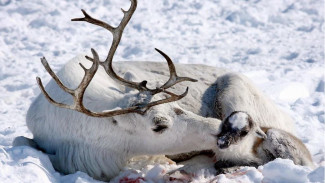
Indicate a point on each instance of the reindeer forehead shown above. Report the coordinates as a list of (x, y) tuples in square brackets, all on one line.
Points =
[(238, 120)]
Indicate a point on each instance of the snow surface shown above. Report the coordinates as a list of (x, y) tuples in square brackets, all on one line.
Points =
[(279, 44)]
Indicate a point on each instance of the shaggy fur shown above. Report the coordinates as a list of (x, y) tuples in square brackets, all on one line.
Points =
[(268, 144), (101, 147)]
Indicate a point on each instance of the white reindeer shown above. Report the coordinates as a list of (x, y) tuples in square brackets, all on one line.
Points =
[(106, 120)]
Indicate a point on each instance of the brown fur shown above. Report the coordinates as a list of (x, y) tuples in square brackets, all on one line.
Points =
[(178, 111), (259, 141)]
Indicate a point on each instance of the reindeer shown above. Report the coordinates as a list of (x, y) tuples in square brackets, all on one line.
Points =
[(253, 139), (254, 146), (89, 118)]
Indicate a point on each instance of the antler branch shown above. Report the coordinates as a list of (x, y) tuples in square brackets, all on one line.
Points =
[(117, 35), (79, 92), (173, 78)]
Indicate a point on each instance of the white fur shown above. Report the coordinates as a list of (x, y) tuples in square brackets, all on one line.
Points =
[(238, 120), (240, 152), (97, 146), (259, 146), (101, 148), (235, 92)]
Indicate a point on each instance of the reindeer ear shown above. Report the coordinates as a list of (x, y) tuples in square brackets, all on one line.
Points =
[(259, 133)]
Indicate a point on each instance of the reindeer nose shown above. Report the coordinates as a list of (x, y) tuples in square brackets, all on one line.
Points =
[(161, 124), (223, 142)]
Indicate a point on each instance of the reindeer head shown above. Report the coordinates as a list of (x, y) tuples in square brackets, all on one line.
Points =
[(235, 127)]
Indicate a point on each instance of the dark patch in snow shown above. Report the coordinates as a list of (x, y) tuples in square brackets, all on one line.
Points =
[(320, 87), (13, 88), (244, 18), (137, 27), (5, 3), (196, 5), (23, 11), (40, 23), (310, 60), (305, 28), (253, 51), (317, 175), (321, 116), (291, 56), (4, 76), (56, 53), (310, 11), (290, 7)]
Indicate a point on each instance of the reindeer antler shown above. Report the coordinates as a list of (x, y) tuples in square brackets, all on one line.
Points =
[(78, 93)]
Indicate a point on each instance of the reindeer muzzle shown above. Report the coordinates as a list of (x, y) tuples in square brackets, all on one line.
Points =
[(223, 141)]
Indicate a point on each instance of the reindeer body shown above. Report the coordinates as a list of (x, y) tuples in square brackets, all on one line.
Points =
[(102, 146)]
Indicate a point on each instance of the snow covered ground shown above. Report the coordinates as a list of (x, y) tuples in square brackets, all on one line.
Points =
[(279, 44)]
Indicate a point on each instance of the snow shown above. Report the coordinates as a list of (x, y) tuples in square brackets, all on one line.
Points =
[(284, 171), (317, 175), (238, 120), (278, 44)]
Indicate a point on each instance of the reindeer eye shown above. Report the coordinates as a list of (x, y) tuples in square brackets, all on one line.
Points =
[(243, 133)]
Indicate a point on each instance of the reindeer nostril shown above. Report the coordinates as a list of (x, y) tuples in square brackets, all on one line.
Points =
[(160, 128), (161, 124), (221, 140)]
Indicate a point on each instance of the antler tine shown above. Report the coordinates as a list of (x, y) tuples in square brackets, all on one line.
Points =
[(47, 96), (77, 93), (94, 21), (89, 74), (117, 35), (53, 75), (173, 98), (173, 78)]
